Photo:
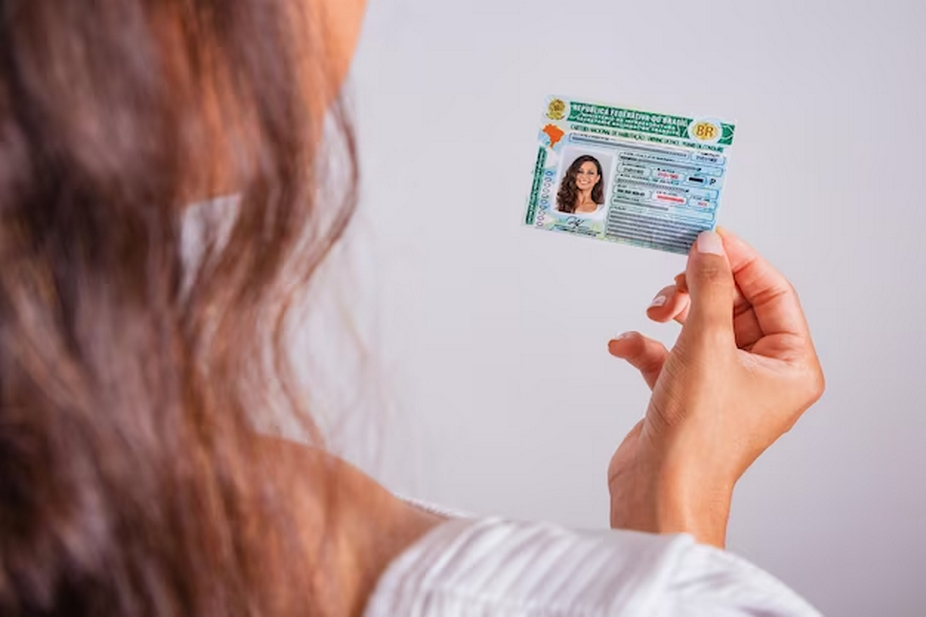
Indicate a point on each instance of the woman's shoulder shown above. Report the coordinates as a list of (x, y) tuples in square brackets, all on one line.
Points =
[(499, 567)]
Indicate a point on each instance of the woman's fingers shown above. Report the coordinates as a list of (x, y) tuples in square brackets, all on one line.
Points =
[(764, 303), (740, 303), (644, 354), (669, 304), (773, 299), (745, 324), (746, 328)]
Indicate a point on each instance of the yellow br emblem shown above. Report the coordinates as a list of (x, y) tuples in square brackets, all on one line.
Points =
[(557, 110), (705, 131)]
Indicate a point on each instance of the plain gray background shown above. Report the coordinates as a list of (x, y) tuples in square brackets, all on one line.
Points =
[(491, 388)]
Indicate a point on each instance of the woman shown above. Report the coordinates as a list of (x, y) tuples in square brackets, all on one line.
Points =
[(141, 340), (582, 188)]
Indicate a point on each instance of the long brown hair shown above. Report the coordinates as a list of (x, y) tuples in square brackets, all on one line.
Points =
[(568, 193), (142, 339)]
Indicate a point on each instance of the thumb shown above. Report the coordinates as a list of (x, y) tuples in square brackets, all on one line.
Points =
[(712, 289)]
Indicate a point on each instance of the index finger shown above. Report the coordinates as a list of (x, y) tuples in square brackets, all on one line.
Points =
[(773, 299)]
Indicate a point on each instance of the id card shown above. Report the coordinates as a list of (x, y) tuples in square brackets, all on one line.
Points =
[(636, 177)]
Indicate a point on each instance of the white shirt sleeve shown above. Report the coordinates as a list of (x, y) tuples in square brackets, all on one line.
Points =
[(497, 568)]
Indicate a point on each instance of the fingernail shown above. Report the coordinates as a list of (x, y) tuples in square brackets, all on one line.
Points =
[(621, 337), (658, 301), (710, 242)]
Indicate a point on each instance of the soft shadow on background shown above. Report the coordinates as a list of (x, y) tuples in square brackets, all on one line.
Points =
[(494, 392)]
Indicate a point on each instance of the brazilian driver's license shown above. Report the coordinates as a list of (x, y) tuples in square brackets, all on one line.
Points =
[(637, 177)]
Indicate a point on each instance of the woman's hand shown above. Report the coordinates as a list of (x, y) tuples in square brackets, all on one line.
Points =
[(742, 372)]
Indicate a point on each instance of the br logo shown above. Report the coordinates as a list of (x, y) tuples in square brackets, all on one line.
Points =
[(557, 110), (708, 131)]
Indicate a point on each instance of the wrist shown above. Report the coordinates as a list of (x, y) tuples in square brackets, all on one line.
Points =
[(695, 487), (665, 490), (690, 503)]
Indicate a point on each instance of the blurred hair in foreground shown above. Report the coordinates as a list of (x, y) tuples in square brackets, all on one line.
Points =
[(131, 480)]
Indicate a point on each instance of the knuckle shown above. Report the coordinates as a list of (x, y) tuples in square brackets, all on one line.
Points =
[(710, 270), (811, 386), (634, 349), (650, 363), (817, 384), (635, 344), (713, 274)]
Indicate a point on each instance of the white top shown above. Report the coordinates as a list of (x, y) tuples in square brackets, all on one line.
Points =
[(497, 568)]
